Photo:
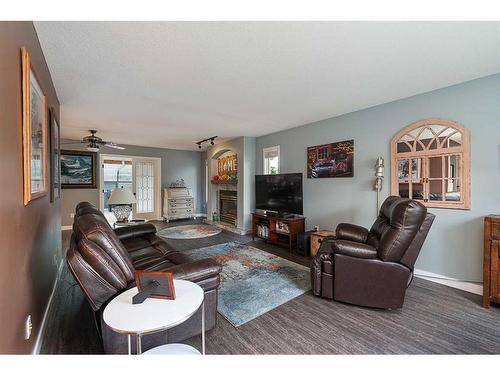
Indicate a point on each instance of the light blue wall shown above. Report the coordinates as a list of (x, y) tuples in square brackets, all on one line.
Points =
[(175, 164), (454, 246), (249, 180)]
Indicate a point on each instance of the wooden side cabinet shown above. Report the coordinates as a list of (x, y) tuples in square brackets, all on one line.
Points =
[(491, 260), (317, 238)]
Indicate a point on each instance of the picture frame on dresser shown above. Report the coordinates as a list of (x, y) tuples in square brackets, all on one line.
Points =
[(35, 137)]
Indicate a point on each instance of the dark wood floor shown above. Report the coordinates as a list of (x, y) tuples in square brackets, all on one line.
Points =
[(434, 320)]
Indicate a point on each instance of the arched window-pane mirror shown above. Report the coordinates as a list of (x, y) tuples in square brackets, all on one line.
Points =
[(431, 163)]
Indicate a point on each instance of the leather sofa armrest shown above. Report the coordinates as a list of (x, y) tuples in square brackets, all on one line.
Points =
[(196, 270), (351, 232), (132, 231), (354, 249), (325, 251)]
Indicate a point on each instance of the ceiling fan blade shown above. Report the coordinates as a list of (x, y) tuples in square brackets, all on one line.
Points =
[(114, 145)]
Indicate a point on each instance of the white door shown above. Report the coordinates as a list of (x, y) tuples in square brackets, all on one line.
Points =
[(146, 187)]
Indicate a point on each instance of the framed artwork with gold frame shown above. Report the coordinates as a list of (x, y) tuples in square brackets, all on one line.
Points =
[(35, 134), (55, 157)]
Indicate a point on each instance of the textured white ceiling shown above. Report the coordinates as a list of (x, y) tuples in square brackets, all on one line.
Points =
[(166, 84)]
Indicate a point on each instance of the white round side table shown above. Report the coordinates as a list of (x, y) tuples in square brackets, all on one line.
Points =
[(155, 315)]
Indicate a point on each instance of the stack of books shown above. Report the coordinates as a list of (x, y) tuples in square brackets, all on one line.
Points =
[(262, 231)]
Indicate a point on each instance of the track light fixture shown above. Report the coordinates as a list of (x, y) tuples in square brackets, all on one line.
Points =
[(211, 139)]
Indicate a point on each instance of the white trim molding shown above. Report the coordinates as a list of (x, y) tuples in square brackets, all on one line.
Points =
[(38, 341), (468, 286)]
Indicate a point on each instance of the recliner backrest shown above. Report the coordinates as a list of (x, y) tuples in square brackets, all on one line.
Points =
[(83, 204), (84, 208), (97, 258), (411, 254), (398, 223), (96, 229)]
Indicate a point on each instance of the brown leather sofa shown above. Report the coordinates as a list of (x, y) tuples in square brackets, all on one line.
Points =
[(373, 267), (103, 261)]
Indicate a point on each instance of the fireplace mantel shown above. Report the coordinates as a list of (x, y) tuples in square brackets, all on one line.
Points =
[(218, 182)]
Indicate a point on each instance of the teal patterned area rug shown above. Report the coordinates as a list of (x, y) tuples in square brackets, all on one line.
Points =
[(253, 281)]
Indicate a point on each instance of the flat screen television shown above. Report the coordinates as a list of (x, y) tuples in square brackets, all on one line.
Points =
[(281, 193)]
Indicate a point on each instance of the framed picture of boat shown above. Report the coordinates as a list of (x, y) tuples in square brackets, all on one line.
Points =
[(78, 169)]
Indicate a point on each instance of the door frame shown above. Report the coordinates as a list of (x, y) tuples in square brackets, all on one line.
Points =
[(158, 201)]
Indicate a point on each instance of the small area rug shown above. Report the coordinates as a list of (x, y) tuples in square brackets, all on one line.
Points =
[(253, 281), (187, 232)]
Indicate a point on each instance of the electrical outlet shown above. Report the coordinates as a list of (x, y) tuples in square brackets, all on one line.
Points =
[(72, 215), (28, 326)]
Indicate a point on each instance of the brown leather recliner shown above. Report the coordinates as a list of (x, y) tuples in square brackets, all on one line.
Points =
[(373, 268), (103, 262)]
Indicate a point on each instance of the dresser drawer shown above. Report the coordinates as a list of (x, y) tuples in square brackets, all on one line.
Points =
[(495, 231), (184, 201), (173, 211), (181, 204)]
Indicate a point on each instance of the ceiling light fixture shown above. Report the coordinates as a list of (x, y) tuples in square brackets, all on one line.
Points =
[(211, 139), (93, 147)]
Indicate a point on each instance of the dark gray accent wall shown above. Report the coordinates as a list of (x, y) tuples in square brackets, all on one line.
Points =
[(175, 164), (454, 246), (30, 236)]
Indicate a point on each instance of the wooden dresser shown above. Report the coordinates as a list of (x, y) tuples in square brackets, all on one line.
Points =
[(491, 260), (178, 203)]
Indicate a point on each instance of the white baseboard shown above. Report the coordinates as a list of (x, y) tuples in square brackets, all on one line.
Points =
[(468, 286), (67, 227), (41, 331)]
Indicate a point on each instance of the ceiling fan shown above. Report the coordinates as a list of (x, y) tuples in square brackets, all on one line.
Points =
[(93, 142)]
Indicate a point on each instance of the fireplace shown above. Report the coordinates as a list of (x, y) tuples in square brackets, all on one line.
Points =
[(228, 206)]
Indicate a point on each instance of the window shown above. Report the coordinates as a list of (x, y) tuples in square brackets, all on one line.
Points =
[(116, 173), (271, 160), (431, 164), (322, 153)]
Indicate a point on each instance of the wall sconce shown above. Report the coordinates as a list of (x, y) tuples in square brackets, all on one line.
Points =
[(379, 174)]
